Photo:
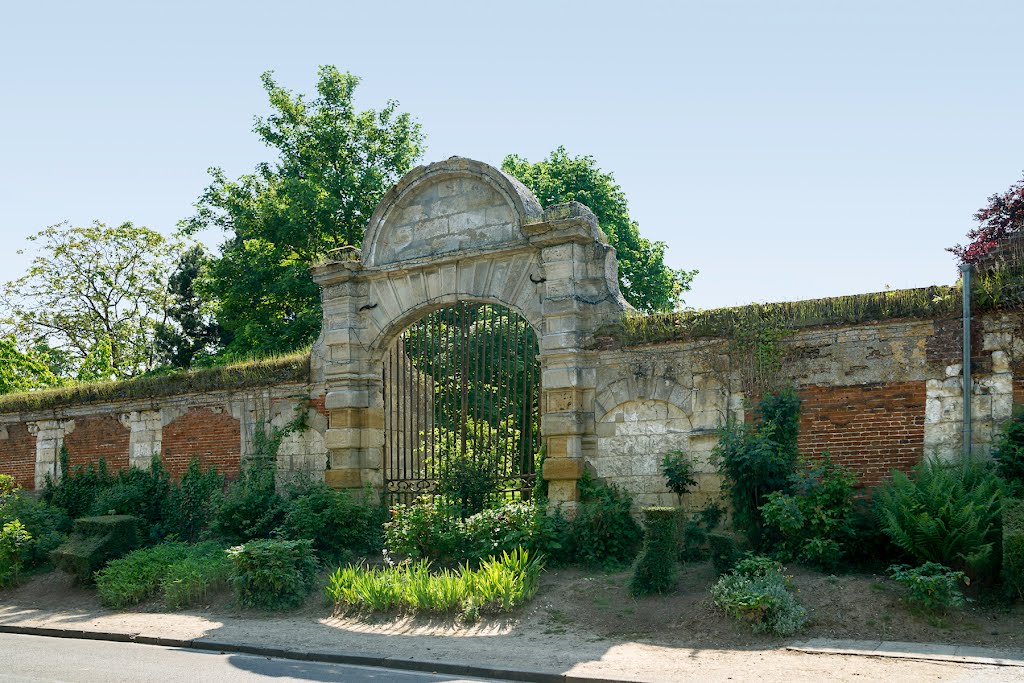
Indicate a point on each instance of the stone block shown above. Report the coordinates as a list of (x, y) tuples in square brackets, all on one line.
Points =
[(557, 469), (343, 479)]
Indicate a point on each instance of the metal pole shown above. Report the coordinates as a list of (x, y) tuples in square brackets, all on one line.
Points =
[(968, 390)]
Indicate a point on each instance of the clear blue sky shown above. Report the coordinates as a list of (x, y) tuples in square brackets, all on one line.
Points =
[(786, 149)]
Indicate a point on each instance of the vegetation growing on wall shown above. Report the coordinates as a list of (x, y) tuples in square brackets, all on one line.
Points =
[(724, 323), (281, 369)]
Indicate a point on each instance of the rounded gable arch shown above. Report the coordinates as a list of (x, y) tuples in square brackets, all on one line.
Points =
[(448, 206)]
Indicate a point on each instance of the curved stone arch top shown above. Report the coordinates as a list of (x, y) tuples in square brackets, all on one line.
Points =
[(502, 279), (449, 206), (460, 230)]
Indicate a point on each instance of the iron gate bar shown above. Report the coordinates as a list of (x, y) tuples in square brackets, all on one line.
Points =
[(464, 382)]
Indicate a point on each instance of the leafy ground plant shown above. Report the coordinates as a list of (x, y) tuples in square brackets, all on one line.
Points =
[(931, 586), (180, 573), (756, 591), (273, 573), (947, 513), (500, 584)]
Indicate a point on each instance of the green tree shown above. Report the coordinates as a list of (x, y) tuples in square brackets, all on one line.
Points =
[(333, 165), (22, 370), (646, 282), (92, 297), (189, 331)]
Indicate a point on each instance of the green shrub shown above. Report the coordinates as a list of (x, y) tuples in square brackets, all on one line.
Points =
[(188, 580), (77, 490), (724, 552), (94, 541), (14, 539), (272, 573), (656, 570), (603, 532), (179, 572), (139, 492), (335, 522), (758, 459), (193, 502), (693, 536), (136, 576), (251, 508), (1013, 547), (501, 584), (47, 525), (931, 586), (678, 472), (946, 513), (757, 592), (1008, 451), (429, 528), (815, 522)]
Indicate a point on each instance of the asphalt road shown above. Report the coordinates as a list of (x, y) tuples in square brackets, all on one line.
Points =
[(38, 658)]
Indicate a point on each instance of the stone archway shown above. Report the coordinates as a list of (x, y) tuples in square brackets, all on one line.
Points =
[(460, 230)]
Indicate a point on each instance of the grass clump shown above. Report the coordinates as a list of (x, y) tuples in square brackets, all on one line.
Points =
[(500, 584), (179, 572)]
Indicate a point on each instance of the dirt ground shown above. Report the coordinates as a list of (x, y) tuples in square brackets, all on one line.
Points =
[(593, 605)]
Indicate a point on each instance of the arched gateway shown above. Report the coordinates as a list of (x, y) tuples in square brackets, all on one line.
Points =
[(457, 232)]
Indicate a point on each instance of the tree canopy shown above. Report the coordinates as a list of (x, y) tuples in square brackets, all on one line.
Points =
[(333, 165), (1000, 218), (646, 282), (91, 300)]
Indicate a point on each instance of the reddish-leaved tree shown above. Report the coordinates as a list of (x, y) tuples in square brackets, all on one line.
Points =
[(1001, 217)]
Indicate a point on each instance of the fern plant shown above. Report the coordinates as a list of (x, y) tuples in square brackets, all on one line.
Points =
[(943, 512)]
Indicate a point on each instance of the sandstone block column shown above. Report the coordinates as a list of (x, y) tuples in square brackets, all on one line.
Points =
[(49, 440)]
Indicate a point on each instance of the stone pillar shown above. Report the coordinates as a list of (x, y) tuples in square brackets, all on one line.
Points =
[(355, 434), (49, 440), (145, 437), (580, 293)]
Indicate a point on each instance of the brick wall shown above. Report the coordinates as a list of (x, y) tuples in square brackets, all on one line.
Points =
[(211, 435), (95, 437), (869, 428), (18, 454)]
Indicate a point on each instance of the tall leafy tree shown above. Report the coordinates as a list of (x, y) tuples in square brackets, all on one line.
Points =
[(189, 332), (646, 282), (22, 370), (92, 297), (333, 165)]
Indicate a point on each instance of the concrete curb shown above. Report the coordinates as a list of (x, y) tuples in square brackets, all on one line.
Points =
[(418, 665), (955, 654)]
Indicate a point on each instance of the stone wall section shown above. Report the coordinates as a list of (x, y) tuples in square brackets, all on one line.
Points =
[(876, 396), (216, 427)]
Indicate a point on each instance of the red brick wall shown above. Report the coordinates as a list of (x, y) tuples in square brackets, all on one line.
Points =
[(214, 437), (871, 429), (98, 437), (18, 455)]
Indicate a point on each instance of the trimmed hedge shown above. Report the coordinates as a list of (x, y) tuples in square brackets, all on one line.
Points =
[(95, 541), (656, 570)]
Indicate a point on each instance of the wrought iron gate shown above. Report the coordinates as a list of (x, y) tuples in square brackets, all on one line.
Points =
[(461, 405)]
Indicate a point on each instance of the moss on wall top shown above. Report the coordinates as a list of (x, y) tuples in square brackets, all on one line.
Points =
[(937, 301), (253, 373)]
